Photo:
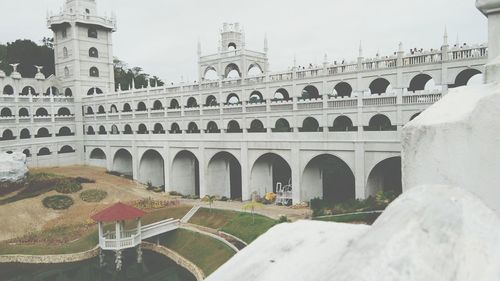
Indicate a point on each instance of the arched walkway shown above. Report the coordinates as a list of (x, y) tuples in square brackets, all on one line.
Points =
[(386, 177), (343, 124), (464, 76), (328, 177), (379, 86), (152, 169), (232, 71), (419, 82), (380, 122), (310, 92), (267, 171), (342, 89), (97, 158), (185, 174), (122, 163), (224, 176)]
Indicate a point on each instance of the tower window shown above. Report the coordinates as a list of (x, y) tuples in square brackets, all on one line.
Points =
[(94, 72), (87, 11), (64, 33), (92, 32), (65, 52), (66, 71), (93, 53)]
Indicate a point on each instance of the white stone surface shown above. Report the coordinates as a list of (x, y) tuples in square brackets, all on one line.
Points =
[(429, 233), (12, 167), (456, 142)]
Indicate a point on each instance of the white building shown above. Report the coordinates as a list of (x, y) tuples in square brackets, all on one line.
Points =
[(333, 130)]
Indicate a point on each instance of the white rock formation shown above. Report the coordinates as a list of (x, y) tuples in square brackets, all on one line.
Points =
[(429, 233), (13, 167)]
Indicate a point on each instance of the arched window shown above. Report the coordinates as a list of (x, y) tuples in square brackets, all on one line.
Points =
[(141, 106), (66, 72), (42, 112), (343, 124), (44, 152), (174, 104), (281, 94), (28, 90), (94, 72), (27, 152), (231, 46), (101, 110), (254, 70), (8, 90), (191, 103), (310, 125), (157, 105), (142, 130), (256, 97), (7, 135), (379, 86), (127, 130), (90, 130), (193, 128), (212, 128), (310, 92), (52, 91), (66, 149), (102, 130), (43, 133), (114, 130), (158, 129), (211, 101), (282, 126), (93, 53), (93, 91), (23, 112), (175, 129), (65, 52), (92, 32), (342, 89), (126, 108), (232, 71), (380, 122), (63, 111), (210, 74), (234, 127), (113, 109), (25, 134), (68, 92), (5, 112), (256, 127), (233, 99), (64, 132), (90, 111)]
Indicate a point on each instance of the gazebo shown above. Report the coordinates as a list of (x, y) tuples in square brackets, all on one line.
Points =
[(120, 239)]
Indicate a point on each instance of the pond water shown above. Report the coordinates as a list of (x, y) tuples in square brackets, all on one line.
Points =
[(155, 267)]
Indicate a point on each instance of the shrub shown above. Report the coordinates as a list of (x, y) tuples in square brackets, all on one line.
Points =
[(83, 180), (68, 186), (175, 193), (93, 195), (58, 202), (283, 219), (150, 203)]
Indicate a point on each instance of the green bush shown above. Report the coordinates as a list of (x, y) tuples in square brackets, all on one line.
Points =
[(68, 187), (83, 180), (93, 195), (175, 193), (283, 219), (58, 202)]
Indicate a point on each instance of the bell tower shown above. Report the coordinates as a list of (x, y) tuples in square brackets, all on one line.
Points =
[(83, 48)]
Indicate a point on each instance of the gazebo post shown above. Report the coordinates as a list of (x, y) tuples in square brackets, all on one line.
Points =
[(118, 252), (139, 250)]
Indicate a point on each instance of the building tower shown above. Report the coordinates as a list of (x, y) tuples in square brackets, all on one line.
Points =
[(83, 48), (232, 56)]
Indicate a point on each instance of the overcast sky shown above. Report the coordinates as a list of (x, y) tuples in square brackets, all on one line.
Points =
[(161, 35)]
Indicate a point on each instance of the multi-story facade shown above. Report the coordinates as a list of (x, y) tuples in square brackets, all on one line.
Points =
[(332, 131)]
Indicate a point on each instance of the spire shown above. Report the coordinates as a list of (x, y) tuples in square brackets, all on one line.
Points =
[(445, 36), (133, 84), (360, 50), (199, 48), (400, 47), (457, 42), (266, 46)]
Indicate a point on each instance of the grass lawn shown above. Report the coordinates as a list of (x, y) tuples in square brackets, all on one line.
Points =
[(352, 218), (238, 224), (207, 253)]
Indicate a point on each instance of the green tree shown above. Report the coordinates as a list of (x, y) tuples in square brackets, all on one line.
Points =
[(252, 206), (28, 54), (210, 199), (124, 75)]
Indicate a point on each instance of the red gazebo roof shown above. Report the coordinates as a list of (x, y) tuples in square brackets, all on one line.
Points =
[(118, 212)]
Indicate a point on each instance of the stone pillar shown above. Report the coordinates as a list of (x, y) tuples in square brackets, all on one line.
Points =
[(245, 172), (295, 166), (491, 9), (359, 170)]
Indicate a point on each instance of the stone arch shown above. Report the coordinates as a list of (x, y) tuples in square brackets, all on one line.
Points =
[(210, 74), (233, 98), (256, 97), (63, 111), (114, 130), (123, 163), (158, 129), (6, 112), (27, 152), (267, 171), (281, 94), (28, 90), (42, 112), (64, 132), (152, 168), (97, 158), (174, 104), (212, 128), (342, 89), (126, 107), (211, 101), (256, 126), (158, 105), (93, 91), (7, 135), (386, 177), (231, 46), (185, 173), (68, 93), (54, 91), (101, 110), (415, 115), (102, 130), (65, 149), (23, 112), (93, 53), (193, 128), (175, 128), (141, 106), (224, 176), (90, 111), (232, 71), (142, 129), (234, 127), (329, 177), (43, 133), (25, 134), (192, 102), (310, 124), (310, 92), (343, 124), (8, 90), (127, 130), (44, 151), (90, 130), (419, 82), (282, 126), (113, 109), (254, 70), (464, 76), (380, 122), (379, 86), (94, 72)]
